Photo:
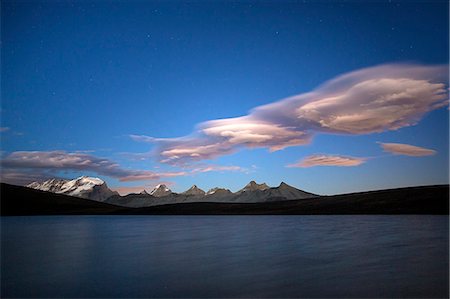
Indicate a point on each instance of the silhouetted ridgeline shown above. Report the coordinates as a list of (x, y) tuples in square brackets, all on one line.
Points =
[(17, 200)]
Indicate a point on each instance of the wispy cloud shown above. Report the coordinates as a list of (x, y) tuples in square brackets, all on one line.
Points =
[(23, 177), (145, 175), (328, 160), (41, 164), (370, 100), (142, 138), (406, 149), (220, 168), (4, 129), (27, 166)]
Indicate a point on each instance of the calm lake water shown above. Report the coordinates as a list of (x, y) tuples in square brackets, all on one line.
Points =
[(224, 256)]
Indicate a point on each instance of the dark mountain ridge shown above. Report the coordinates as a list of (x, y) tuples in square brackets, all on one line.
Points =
[(16, 200)]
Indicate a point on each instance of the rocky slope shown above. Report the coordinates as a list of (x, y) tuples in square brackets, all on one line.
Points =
[(160, 191), (194, 191)]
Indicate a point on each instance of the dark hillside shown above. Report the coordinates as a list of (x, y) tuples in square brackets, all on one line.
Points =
[(413, 200), (17, 200)]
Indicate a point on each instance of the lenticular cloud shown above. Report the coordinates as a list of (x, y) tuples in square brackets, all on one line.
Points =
[(407, 149), (370, 100), (329, 160), (19, 166)]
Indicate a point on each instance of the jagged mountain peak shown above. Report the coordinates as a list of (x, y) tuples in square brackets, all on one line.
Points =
[(161, 186), (194, 190), (284, 185), (93, 180), (87, 181), (194, 187), (218, 191), (252, 186), (160, 190)]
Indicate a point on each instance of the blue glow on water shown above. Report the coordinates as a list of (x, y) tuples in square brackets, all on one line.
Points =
[(225, 256)]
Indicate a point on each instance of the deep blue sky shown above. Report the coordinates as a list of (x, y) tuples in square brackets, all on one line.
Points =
[(84, 75)]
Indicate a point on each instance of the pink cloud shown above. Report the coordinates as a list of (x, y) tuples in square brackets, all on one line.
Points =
[(23, 177), (144, 175), (17, 166), (375, 105), (407, 150), (209, 168), (27, 166), (142, 138), (252, 132), (328, 160), (370, 100)]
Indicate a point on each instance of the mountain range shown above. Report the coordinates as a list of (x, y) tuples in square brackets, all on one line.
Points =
[(431, 200), (96, 189)]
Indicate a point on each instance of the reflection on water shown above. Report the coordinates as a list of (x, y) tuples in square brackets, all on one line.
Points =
[(225, 256)]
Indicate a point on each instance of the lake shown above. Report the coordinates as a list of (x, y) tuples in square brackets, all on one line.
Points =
[(224, 256)]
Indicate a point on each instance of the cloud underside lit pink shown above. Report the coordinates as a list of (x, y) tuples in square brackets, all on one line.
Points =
[(328, 160), (376, 99), (407, 150), (23, 167)]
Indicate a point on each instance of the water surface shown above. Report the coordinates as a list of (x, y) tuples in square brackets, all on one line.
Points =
[(224, 256)]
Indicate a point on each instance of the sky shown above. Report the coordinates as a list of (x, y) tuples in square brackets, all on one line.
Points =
[(330, 96)]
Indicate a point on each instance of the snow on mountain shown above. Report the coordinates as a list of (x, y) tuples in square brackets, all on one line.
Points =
[(84, 187), (194, 191), (96, 189), (52, 185), (218, 192), (160, 191)]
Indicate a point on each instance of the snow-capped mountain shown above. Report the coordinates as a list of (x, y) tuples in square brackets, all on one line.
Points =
[(84, 187), (160, 191), (194, 191)]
